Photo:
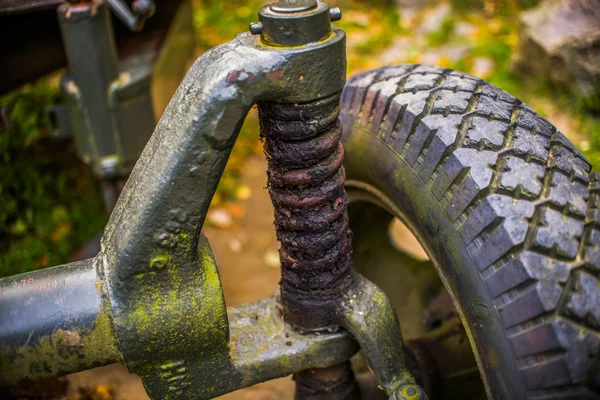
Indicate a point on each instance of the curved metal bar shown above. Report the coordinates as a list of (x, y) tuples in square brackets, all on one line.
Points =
[(368, 315), (162, 280), (53, 322)]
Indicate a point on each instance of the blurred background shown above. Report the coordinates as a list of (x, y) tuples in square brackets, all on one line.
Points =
[(546, 53)]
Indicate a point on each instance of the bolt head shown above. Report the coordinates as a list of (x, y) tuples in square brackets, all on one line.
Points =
[(256, 28), (335, 14), (409, 392)]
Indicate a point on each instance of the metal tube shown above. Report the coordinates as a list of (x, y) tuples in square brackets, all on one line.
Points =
[(53, 322), (91, 51), (124, 13)]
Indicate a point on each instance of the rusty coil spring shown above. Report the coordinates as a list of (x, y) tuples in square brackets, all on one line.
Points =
[(306, 184)]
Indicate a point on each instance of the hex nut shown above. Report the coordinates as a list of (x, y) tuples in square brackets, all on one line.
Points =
[(256, 28), (335, 14)]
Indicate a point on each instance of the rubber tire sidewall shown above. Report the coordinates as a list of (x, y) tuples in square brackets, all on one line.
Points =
[(370, 160)]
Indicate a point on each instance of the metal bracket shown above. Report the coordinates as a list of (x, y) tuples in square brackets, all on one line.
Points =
[(154, 269)]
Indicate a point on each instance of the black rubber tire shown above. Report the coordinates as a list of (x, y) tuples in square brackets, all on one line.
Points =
[(505, 206)]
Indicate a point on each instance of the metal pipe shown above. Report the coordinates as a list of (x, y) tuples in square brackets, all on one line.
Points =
[(91, 51), (133, 18), (53, 322), (90, 83)]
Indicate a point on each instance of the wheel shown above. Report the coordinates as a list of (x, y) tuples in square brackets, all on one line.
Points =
[(505, 207)]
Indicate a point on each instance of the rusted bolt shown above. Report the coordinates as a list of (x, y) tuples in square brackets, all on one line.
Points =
[(409, 392), (335, 14), (256, 28)]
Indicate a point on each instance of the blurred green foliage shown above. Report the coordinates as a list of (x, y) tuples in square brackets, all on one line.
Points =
[(389, 21), (507, 7), (443, 34), (219, 21), (50, 205)]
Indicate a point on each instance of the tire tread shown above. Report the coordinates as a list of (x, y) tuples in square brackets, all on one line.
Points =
[(522, 197)]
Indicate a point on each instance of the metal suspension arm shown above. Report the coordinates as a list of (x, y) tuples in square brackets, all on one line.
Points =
[(166, 299), (155, 281)]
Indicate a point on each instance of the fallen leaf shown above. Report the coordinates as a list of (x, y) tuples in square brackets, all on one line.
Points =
[(220, 218)]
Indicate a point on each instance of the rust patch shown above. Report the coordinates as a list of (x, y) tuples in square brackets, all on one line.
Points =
[(275, 76), (237, 76)]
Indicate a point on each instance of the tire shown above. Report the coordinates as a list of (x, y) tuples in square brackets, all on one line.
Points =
[(507, 210)]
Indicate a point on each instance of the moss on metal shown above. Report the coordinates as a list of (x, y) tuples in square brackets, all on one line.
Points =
[(62, 352), (180, 311)]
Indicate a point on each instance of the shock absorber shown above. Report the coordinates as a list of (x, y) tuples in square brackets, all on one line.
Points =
[(319, 289), (306, 184), (305, 181)]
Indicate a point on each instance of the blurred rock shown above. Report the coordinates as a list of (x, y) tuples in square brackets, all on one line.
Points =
[(560, 39)]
